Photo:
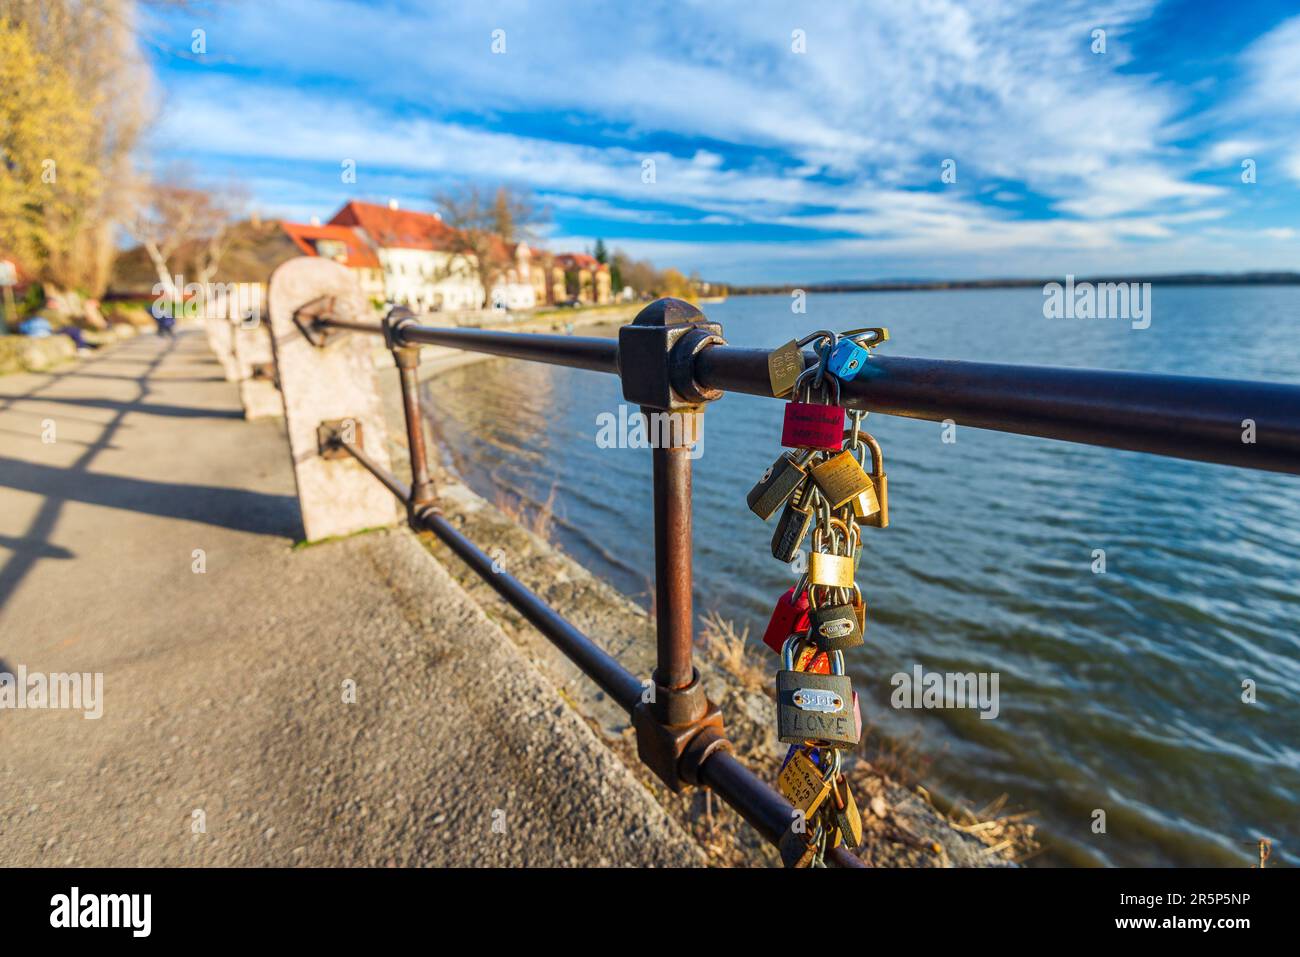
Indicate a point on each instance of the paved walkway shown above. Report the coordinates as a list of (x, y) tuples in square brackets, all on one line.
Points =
[(223, 701)]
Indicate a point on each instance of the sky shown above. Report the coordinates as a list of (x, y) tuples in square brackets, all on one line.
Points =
[(788, 142)]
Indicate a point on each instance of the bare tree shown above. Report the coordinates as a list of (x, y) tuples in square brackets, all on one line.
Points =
[(175, 216), (228, 204), (484, 232)]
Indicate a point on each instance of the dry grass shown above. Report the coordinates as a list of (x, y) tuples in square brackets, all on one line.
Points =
[(719, 639), (539, 519), (1008, 835)]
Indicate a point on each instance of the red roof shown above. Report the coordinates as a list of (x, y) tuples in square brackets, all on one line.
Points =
[(308, 238), (402, 228), (579, 261)]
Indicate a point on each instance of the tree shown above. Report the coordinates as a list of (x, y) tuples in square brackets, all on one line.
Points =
[(43, 184), (600, 253), (174, 215), (484, 233), (87, 47)]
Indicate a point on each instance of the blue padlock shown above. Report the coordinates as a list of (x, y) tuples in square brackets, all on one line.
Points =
[(847, 360)]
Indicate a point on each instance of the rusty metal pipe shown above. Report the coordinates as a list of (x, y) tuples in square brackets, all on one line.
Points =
[(1185, 417), (389, 480), (751, 798), (408, 363), (674, 621)]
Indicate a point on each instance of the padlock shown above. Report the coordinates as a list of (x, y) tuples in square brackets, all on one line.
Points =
[(789, 616), (841, 479), (847, 360), (778, 484), (835, 571), (805, 785), (813, 753), (844, 812), (814, 708), (864, 503), (814, 425), (879, 481), (857, 717), (834, 626), (810, 425), (812, 659), (797, 849), (784, 366), (791, 530)]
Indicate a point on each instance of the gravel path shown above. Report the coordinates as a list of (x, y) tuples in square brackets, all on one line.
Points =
[(226, 737)]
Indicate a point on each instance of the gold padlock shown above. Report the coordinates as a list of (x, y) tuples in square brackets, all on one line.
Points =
[(874, 511), (841, 479), (804, 784), (833, 570)]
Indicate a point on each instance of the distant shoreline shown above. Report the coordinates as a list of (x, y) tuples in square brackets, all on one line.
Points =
[(942, 285)]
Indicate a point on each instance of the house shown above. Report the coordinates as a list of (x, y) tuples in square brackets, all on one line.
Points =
[(420, 263), (342, 245), (586, 278), (412, 258)]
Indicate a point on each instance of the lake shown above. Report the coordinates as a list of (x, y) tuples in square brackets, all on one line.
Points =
[(1119, 691)]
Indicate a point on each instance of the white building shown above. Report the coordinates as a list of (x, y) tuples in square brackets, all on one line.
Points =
[(420, 267)]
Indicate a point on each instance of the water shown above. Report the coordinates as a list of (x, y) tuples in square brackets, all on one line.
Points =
[(1120, 691)]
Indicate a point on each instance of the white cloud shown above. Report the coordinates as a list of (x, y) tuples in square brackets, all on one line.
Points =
[(885, 91)]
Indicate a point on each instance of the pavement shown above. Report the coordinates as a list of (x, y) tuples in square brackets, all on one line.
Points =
[(343, 703)]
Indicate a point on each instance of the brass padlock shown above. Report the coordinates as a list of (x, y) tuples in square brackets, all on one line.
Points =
[(841, 479), (804, 785), (828, 564), (845, 813), (880, 483), (811, 708)]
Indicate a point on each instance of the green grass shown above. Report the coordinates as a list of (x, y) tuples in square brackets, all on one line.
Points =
[(304, 543)]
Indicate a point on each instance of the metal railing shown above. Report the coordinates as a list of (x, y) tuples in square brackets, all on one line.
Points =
[(671, 359)]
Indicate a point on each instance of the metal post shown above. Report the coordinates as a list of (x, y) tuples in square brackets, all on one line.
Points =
[(655, 361), (408, 364), (407, 358), (674, 616)]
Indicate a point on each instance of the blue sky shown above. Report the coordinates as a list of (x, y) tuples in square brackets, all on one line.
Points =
[(772, 165)]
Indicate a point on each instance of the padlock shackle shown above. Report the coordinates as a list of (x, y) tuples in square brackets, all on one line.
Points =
[(877, 456)]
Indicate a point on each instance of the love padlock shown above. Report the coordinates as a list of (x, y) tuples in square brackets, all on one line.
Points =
[(814, 425), (814, 708)]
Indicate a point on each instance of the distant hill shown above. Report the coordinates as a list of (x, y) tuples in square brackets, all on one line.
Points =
[(911, 285)]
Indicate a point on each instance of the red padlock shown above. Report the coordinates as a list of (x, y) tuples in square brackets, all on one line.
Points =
[(812, 425), (813, 661), (789, 616)]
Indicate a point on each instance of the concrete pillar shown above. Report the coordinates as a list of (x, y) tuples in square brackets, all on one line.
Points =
[(221, 340), (254, 359), (327, 383)]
